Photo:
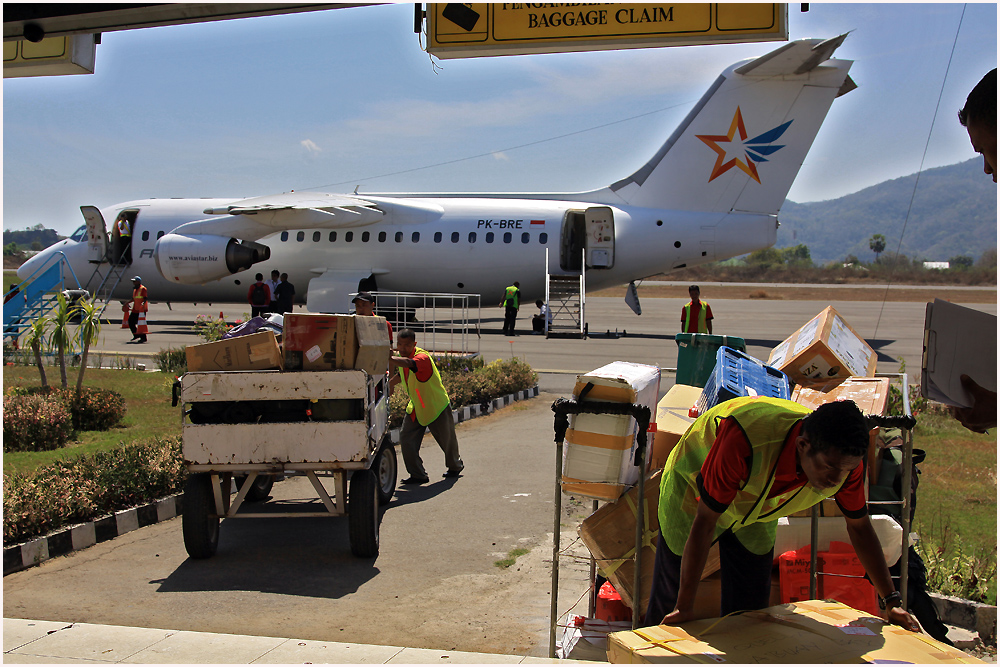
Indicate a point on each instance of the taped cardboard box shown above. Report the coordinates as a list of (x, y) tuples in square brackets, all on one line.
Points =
[(599, 453), (256, 352), (826, 348), (372, 336), (321, 342), (814, 631), (672, 421)]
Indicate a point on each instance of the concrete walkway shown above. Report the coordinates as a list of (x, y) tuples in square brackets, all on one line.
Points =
[(33, 642)]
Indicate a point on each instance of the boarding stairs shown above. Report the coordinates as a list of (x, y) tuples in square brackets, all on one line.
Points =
[(35, 296), (109, 275), (565, 295)]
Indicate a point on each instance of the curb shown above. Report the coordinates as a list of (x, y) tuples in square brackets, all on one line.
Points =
[(968, 615), (80, 536)]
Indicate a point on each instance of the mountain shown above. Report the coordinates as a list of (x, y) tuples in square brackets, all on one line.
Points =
[(954, 213)]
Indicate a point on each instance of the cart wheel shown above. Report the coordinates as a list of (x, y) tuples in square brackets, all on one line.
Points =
[(385, 470), (201, 531), (261, 488), (362, 514)]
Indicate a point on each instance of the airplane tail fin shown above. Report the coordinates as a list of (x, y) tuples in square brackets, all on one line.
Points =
[(742, 145)]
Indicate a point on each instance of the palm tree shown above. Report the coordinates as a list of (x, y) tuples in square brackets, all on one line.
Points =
[(87, 334), (61, 338), (877, 244), (35, 340)]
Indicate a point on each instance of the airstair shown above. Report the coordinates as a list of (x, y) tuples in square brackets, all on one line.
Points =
[(566, 296), (35, 295)]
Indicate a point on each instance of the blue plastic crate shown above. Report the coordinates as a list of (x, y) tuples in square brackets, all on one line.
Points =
[(737, 374)]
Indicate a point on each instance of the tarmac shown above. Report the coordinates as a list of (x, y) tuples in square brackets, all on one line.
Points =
[(52, 642)]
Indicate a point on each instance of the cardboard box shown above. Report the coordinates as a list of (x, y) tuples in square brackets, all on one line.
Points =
[(826, 348), (814, 631), (599, 452), (256, 352), (672, 421), (321, 342)]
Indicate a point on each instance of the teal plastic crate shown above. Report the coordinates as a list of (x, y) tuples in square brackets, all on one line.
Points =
[(696, 355)]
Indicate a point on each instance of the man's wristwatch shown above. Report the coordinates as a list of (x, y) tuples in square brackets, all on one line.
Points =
[(893, 599)]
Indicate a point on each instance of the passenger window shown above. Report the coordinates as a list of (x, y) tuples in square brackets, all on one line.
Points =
[(316, 237), (333, 237), (455, 236), (160, 234), (525, 237), (507, 237), (284, 236), (348, 237), (301, 236), (489, 237), (472, 237), (145, 236), (437, 237), (365, 236), (399, 237), (416, 237), (381, 237), (543, 238)]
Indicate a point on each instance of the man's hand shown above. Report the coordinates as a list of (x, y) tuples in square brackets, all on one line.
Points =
[(901, 617), (676, 617), (983, 413)]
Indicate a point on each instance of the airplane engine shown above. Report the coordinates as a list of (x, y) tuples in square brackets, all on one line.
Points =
[(198, 259)]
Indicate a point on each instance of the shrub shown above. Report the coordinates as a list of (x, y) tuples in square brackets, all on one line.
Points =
[(210, 328), (35, 423), (72, 491), (95, 410), (172, 360)]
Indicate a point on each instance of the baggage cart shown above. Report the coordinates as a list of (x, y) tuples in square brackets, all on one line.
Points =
[(248, 427)]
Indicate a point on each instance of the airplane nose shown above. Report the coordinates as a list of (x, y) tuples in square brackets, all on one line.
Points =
[(30, 265)]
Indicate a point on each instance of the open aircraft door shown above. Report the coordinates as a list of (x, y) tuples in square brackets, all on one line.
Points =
[(97, 234), (600, 221)]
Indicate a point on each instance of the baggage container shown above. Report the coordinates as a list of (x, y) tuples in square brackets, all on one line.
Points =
[(826, 348), (672, 421), (738, 374), (599, 453), (696, 354), (853, 590)]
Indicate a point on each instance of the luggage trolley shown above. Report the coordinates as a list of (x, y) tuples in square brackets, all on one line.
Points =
[(248, 427)]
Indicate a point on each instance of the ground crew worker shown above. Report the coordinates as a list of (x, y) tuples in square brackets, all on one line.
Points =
[(139, 305), (740, 467), (364, 304), (696, 316), (510, 303), (429, 407), (125, 234)]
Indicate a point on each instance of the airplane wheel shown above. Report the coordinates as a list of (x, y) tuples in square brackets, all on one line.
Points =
[(362, 514), (385, 469), (201, 531)]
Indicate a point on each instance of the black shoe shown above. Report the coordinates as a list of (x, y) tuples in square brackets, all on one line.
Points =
[(415, 480), (143, 340), (453, 473)]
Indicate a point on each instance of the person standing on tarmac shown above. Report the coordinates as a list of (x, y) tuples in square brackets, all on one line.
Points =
[(510, 303), (259, 297), (429, 407), (139, 305), (740, 467), (696, 316), (284, 296), (272, 284)]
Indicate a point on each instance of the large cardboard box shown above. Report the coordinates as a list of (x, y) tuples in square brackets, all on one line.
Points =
[(826, 348), (256, 352), (599, 453), (672, 421), (814, 631), (318, 342)]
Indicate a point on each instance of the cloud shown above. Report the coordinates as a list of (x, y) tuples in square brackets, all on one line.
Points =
[(500, 156), (310, 146)]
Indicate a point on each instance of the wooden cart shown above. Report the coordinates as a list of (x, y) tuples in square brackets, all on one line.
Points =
[(248, 427)]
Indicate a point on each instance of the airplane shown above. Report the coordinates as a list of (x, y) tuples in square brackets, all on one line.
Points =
[(712, 191)]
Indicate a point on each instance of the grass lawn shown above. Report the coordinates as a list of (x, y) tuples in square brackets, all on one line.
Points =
[(149, 414)]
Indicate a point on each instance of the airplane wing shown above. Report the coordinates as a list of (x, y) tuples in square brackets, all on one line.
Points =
[(252, 219)]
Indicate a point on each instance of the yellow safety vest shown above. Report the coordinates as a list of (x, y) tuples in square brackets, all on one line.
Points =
[(752, 516), (702, 318), (427, 399), (511, 294), (124, 227)]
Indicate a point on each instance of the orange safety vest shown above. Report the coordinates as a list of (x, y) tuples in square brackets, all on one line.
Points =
[(139, 300)]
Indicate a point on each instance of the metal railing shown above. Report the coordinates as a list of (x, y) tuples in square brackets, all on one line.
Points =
[(444, 323)]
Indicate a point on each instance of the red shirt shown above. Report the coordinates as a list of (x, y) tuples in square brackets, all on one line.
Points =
[(424, 372), (250, 294), (695, 314), (726, 469)]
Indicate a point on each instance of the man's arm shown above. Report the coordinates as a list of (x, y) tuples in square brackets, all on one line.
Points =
[(693, 563), (869, 551)]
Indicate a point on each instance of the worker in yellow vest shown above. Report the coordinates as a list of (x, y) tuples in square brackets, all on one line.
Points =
[(740, 467), (125, 234), (510, 303), (696, 316), (429, 407)]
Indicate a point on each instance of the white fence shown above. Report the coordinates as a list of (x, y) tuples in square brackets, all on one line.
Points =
[(444, 323)]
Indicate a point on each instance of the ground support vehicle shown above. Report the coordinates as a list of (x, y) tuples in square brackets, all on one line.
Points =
[(249, 427)]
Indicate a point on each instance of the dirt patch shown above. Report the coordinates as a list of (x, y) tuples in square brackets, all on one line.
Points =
[(812, 293)]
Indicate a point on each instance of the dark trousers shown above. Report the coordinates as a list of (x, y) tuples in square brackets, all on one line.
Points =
[(262, 311), (133, 324), (746, 579), (509, 315)]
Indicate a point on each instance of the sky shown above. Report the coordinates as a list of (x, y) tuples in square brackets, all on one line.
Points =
[(335, 100)]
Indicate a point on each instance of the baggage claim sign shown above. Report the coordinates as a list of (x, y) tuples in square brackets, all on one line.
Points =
[(459, 30)]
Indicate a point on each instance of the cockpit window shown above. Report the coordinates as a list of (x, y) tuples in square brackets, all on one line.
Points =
[(79, 235)]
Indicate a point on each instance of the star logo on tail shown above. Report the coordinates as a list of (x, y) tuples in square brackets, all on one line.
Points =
[(735, 150)]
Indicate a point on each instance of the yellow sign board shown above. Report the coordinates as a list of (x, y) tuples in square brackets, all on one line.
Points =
[(463, 30), (70, 54)]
